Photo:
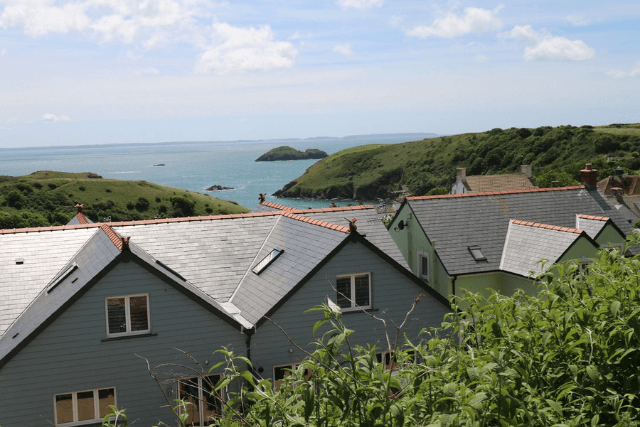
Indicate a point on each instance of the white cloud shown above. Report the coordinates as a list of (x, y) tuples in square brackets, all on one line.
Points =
[(55, 118), (40, 17), (542, 46), (474, 20), (621, 74), (344, 49), (359, 4), (577, 20), (3, 51), (236, 49)]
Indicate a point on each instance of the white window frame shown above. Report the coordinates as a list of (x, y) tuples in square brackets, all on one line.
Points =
[(424, 258), (201, 397), (354, 306), (128, 315), (292, 367), (393, 363), (74, 397)]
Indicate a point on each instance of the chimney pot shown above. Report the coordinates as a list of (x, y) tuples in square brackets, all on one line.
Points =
[(79, 207)]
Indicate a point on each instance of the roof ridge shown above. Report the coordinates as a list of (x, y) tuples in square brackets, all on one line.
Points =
[(115, 237), (324, 224), (138, 222), (336, 209), (594, 217), (82, 219), (277, 206), (547, 226), (495, 193)]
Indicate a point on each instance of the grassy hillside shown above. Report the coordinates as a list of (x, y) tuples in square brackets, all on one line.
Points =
[(289, 153), (48, 198), (429, 166)]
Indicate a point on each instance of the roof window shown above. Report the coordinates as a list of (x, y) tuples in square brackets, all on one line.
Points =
[(73, 267), (266, 261), (477, 254)]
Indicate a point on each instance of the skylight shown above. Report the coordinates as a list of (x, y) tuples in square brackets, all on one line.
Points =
[(267, 260), (73, 267), (476, 253)]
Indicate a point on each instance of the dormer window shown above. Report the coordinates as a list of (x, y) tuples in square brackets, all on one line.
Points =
[(477, 254), (266, 261), (128, 315)]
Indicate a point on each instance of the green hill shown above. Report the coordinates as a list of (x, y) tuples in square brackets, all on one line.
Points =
[(429, 166), (289, 153), (48, 198)]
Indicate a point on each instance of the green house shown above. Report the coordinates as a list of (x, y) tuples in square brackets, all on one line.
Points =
[(494, 241)]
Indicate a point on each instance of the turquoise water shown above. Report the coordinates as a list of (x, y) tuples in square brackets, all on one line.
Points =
[(190, 165)]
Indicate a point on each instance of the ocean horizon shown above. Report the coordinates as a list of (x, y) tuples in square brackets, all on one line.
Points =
[(193, 166)]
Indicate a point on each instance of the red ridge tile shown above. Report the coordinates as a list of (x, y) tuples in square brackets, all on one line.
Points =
[(546, 226), (495, 193)]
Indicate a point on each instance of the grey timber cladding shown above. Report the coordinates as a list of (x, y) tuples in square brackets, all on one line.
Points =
[(305, 246), (91, 259), (370, 225), (455, 223), (73, 354), (525, 246), (44, 254), (392, 296), (212, 255)]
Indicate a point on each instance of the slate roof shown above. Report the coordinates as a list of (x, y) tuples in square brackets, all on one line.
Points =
[(484, 183), (369, 224), (591, 224), (526, 243), (304, 248), (453, 223), (630, 185)]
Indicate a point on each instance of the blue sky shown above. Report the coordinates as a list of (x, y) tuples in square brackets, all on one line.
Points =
[(115, 71)]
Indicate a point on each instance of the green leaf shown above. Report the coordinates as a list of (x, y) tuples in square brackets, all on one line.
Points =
[(615, 308)]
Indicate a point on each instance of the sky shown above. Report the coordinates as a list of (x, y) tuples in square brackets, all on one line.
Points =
[(134, 71)]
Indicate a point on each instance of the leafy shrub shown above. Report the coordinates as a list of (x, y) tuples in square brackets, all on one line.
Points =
[(130, 206), (108, 190), (81, 188), (52, 186), (14, 199), (142, 204), (182, 206), (158, 199)]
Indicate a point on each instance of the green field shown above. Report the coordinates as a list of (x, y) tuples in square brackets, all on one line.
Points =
[(429, 166), (48, 198)]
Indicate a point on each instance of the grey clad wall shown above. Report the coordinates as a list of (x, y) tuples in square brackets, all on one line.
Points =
[(70, 356), (392, 295)]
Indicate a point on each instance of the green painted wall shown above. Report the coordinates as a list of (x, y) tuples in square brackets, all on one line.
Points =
[(609, 235), (412, 241), (582, 249)]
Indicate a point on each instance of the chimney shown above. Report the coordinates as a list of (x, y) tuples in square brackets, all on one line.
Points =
[(617, 193), (589, 176), (526, 170), (79, 207), (461, 174), (125, 243)]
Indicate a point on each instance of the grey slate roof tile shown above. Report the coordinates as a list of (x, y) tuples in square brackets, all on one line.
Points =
[(455, 223)]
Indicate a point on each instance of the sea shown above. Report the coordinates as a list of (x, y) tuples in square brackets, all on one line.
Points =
[(194, 166)]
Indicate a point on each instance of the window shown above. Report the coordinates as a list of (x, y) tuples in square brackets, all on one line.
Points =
[(128, 315), (354, 291), (283, 371), (205, 402), (388, 359), (266, 261), (477, 254), (582, 270), (83, 407), (423, 261)]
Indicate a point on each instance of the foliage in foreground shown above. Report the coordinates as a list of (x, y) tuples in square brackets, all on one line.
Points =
[(568, 357)]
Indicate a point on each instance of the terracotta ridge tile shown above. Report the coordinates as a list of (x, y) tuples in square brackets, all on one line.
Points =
[(82, 219), (115, 237), (547, 226), (277, 206), (495, 193), (594, 217), (336, 209), (324, 224)]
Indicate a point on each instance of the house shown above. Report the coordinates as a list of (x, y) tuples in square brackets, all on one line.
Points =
[(624, 192), (484, 183), (492, 241), (130, 313)]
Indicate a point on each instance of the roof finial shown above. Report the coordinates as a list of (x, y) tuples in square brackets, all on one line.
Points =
[(125, 242), (261, 196), (79, 207), (352, 224)]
